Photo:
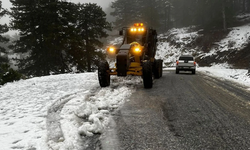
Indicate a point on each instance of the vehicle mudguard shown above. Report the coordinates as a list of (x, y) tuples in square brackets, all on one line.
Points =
[(122, 60)]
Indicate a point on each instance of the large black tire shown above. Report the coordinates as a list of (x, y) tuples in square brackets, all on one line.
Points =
[(103, 74), (147, 75), (161, 66), (158, 68)]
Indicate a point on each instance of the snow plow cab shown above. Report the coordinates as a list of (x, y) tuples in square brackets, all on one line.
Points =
[(134, 57)]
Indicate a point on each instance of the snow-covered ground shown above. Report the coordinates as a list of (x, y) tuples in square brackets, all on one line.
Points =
[(179, 41), (224, 73), (237, 39), (56, 112)]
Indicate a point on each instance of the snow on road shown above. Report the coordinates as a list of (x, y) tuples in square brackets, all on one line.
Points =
[(224, 72), (55, 111)]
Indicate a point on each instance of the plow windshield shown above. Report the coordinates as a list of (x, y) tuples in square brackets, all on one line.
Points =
[(136, 37), (136, 33)]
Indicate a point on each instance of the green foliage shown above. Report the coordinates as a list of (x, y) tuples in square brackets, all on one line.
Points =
[(7, 74), (92, 25), (56, 35)]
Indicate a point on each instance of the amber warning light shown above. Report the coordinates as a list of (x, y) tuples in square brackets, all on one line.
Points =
[(138, 24), (138, 27)]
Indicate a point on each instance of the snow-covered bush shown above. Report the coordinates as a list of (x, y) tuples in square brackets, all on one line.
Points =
[(7, 74)]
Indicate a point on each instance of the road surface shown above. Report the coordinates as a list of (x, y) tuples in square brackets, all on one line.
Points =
[(183, 111)]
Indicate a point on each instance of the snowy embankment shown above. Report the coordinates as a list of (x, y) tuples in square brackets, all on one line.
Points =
[(223, 72), (179, 41), (173, 44), (58, 111), (236, 40)]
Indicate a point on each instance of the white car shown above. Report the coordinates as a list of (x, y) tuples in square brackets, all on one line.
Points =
[(186, 63)]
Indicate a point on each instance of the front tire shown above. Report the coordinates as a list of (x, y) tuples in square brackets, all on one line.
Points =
[(147, 75), (103, 74)]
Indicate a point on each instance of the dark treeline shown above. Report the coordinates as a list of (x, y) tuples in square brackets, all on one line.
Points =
[(7, 74), (56, 36), (164, 14)]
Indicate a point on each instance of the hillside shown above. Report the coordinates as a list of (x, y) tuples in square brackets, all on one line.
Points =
[(209, 48)]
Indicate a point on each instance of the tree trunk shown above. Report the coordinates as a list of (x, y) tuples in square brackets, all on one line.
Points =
[(165, 20), (88, 56), (243, 6), (169, 17), (224, 16), (248, 73)]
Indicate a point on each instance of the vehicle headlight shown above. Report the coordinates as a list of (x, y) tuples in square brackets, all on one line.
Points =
[(137, 50), (111, 50), (137, 30)]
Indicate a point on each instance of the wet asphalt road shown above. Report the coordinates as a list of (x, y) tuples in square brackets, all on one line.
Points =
[(183, 111)]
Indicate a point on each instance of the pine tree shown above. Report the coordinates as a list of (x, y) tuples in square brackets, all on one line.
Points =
[(3, 29), (57, 35), (44, 34), (28, 15), (127, 12), (92, 24), (149, 12), (164, 8)]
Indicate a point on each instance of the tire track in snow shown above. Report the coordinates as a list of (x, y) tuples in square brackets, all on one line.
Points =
[(53, 124), (113, 96)]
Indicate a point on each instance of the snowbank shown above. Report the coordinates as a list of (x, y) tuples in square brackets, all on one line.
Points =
[(223, 72), (58, 111)]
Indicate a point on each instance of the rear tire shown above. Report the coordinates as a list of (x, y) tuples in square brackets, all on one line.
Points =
[(158, 68), (103, 74), (147, 75), (161, 66)]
